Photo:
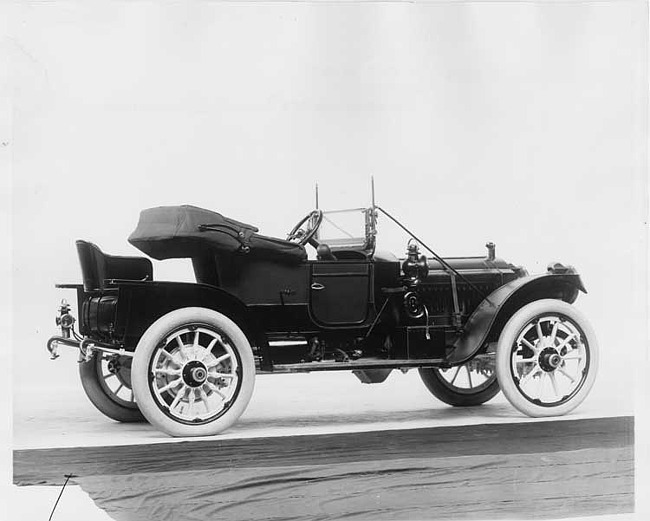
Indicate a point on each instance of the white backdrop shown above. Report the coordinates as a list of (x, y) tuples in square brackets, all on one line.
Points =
[(521, 123)]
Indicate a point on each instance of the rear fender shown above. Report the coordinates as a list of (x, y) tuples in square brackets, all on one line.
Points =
[(140, 304), (489, 318)]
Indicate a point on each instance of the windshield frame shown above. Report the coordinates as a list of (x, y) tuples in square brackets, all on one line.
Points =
[(364, 243)]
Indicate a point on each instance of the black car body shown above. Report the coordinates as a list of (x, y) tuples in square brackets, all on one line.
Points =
[(352, 307)]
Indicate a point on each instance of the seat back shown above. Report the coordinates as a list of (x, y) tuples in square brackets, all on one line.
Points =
[(97, 266)]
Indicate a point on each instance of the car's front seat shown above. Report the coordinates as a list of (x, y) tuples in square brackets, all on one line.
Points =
[(324, 252)]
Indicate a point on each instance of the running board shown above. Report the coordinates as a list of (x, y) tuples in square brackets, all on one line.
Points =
[(352, 365)]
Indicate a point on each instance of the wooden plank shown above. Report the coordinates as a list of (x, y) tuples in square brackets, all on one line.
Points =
[(47, 466)]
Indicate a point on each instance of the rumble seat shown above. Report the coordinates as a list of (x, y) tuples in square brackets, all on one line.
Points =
[(97, 266)]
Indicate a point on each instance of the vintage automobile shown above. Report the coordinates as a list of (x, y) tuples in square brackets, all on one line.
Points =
[(184, 356)]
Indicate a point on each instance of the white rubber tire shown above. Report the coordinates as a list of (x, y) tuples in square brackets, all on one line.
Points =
[(99, 395), (147, 348), (438, 385), (505, 348)]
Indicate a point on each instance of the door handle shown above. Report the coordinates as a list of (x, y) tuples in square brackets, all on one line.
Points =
[(317, 286)]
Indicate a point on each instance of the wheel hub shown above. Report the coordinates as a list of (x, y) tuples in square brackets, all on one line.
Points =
[(195, 373), (549, 359), (114, 365)]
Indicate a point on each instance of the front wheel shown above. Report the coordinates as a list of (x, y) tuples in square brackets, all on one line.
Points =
[(193, 372), (470, 384), (547, 358)]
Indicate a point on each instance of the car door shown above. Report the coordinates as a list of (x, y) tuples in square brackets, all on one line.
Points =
[(340, 292)]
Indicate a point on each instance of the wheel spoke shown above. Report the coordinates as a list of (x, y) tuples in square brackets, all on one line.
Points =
[(169, 356), (562, 371), (217, 361), (204, 399), (168, 372), (179, 396), (469, 376), (119, 388), (576, 356), (529, 345), (554, 383), (566, 341), (538, 327), (170, 385), (132, 399), (191, 397), (221, 375), (540, 387), (554, 332), (215, 390), (196, 347), (208, 350), (536, 369), (456, 375)]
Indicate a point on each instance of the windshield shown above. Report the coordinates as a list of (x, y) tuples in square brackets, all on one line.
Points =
[(347, 229)]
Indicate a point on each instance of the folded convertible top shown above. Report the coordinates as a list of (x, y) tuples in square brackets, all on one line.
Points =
[(173, 232)]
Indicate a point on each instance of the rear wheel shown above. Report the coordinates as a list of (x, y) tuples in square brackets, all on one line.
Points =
[(547, 358), (472, 383), (193, 372), (106, 380)]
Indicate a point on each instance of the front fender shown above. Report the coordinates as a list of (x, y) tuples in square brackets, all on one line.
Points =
[(489, 318)]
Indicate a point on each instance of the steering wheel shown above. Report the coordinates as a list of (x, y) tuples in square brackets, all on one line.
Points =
[(304, 236)]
